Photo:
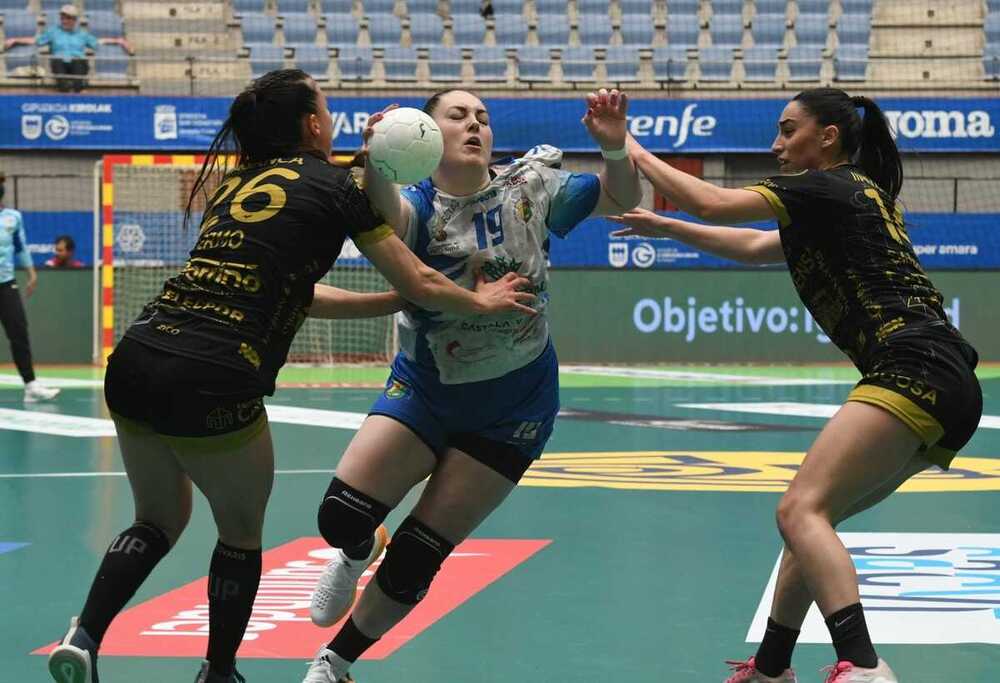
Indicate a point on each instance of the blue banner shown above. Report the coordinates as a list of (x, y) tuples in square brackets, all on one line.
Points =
[(942, 241), (182, 124), (43, 227)]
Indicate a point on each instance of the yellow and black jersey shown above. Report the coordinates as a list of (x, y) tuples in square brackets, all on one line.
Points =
[(268, 234), (851, 260)]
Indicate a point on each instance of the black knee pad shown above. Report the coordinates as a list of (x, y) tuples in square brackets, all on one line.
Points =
[(347, 517), (414, 557)]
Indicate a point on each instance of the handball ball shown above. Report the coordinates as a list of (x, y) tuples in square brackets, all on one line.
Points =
[(405, 146)]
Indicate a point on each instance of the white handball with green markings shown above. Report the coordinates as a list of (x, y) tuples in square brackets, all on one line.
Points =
[(405, 146)]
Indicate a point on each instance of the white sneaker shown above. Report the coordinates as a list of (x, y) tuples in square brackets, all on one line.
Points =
[(323, 669), (337, 587), (35, 392), (75, 658), (846, 672)]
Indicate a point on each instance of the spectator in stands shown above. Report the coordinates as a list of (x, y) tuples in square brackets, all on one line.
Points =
[(69, 44), (14, 251), (64, 250)]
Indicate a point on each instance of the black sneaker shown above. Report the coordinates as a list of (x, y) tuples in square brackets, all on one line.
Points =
[(206, 675), (75, 658)]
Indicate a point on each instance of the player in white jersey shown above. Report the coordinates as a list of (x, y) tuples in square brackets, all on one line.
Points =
[(471, 400)]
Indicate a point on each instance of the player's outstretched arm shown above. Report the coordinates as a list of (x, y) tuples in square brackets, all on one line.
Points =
[(699, 197), (335, 303), (607, 123), (426, 287), (745, 245), (384, 194)]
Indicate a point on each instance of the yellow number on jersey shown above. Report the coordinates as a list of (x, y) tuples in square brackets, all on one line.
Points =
[(894, 223), (276, 197)]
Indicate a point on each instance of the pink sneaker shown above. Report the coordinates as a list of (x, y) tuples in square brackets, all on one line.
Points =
[(846, 672), (746, 672)]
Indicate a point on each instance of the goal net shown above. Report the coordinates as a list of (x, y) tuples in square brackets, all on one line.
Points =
[(143, 243)]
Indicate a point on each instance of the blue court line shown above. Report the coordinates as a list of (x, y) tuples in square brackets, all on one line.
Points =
[(8, 547)]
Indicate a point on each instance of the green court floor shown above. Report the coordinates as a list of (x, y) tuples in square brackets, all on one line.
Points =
[(653, 508)]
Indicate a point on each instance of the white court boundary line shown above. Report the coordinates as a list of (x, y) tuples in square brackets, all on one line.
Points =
[(60, 382), (801, 410), (87, 475), (692, 376)]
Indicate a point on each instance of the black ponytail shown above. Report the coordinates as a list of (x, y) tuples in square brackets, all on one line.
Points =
[(867, 140), (264, 122)]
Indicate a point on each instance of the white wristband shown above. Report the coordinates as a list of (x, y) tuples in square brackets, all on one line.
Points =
[(615, 154)]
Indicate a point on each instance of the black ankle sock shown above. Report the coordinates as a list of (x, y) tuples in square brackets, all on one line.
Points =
[(233, 579), (360, 552), (850, 637), (350, 643), (775, 652), (126, 564)]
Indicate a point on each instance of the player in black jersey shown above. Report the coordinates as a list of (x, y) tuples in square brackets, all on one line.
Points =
[(842, 234), (185, 384)]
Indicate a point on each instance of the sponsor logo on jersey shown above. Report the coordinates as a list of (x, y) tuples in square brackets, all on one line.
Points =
[(524, 209), (497, 267), (219, 419), (917, 588), (397, 389)]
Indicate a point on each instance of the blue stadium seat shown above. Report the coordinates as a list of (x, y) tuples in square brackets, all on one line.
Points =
[(257, 28), (992, 28), (726, 30), (426, 30), (805, 62), (850, 63), (814, 6), (300, 29), (515, 7), (715, 63), (16, 5), (445, 63), (19, 56), (468, 30), (811, 29), (378, 6), (727, 6), (595, 32), (336, 6), (768, 30), (682, 7), (670, 63), (355, 63), (489, 63), (465, 6), (111, 62), (760, 64), (551, 6), (48, 5), (293, 6), (992, 6), (264, 58), (854, 29), (682, 31), (510, 30), (19, 24), (341, 29), (856, 6), (553, 29), (421, 6), (622, 63), (314, 60), (105, 24), (384, 29), (400, 63), (636, 29), (577, 63), (771, 7), (533, 63), (991, 62), (595, 7), (101, 5), (249, 6)]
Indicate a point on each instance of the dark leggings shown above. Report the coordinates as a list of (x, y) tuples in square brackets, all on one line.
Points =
[(15, 325), (76, 69)]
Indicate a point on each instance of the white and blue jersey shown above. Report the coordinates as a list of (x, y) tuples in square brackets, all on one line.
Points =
[(487, 385), (13, 244), (502, 228)]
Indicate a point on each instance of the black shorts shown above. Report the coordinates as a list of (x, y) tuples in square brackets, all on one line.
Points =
[(191, 403), (931, 385)]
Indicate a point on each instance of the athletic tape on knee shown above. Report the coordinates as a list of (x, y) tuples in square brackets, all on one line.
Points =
[(347, 517), (413, 558)]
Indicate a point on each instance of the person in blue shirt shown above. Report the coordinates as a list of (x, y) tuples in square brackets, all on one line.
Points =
[(69, 43), (14, 251)]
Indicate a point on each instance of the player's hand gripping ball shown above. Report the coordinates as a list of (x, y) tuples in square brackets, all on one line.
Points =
[(405, 146)]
